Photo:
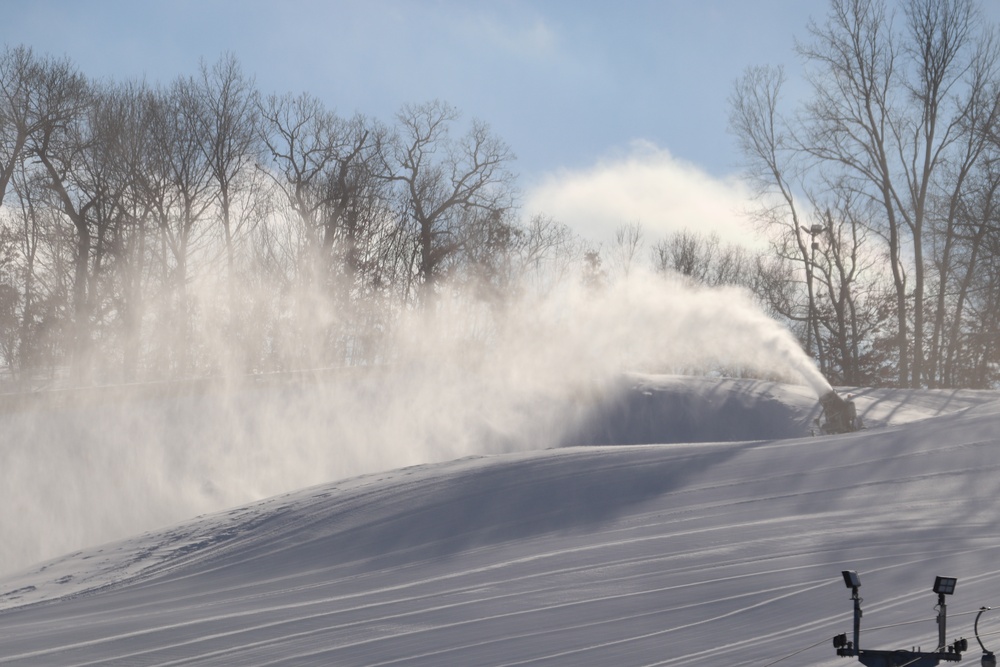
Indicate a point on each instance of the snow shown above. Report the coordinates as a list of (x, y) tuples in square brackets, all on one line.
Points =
[(714, 536)]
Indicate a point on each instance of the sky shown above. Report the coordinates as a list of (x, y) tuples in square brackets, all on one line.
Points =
[(617, 111)]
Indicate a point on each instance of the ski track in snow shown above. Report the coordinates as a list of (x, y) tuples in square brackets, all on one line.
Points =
[(721, 553)]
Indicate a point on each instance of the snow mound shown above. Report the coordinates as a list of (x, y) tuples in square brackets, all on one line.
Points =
[(713, 553), (648, 409), (658, 409)]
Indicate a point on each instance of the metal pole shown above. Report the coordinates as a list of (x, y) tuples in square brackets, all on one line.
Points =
[(810, 262), (812, 304), (942, 621), (857, 619)]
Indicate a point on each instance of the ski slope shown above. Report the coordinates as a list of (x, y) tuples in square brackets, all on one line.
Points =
[(714, 536)]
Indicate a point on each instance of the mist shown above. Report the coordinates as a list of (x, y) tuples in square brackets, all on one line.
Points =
[(81, 467)]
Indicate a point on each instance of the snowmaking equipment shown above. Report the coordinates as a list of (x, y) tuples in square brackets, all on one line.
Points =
[(943, 652), (840, 415), (988, 659)]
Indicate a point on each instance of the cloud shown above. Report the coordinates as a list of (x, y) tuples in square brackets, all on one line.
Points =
[(524, 35), (534, 39), (647, 185)]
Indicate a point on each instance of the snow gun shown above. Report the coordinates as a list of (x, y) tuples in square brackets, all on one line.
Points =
[(841, 416)]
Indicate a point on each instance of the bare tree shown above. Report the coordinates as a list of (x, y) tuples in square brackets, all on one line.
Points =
[(135, 193), (228, 120), (37, 96), (9, 296), (326, 167), (773, 169), (687, 254), (182, 196), (973, 266), (972, 159), (59, 144), (547, 254), (127, 195), (298, 134), (851, 294), (446, 183), (897, 117), (329, 172), (702, 259), (889, 110), (355, 199), (18, 109), (628, 242)]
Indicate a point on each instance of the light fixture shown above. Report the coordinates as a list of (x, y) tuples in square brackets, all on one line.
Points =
[(852, 580), (988, 659), (944, 585)]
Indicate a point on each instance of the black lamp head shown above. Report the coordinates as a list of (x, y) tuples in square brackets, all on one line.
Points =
[(945, 585)]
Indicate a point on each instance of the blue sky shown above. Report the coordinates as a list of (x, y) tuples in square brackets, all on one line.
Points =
[(577, 88)]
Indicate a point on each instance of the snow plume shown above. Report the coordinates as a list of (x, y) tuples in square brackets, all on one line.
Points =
[(651, 323), (646, 183), (82, 467)]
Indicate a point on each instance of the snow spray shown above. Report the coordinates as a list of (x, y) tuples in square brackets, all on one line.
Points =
[(89, 467)]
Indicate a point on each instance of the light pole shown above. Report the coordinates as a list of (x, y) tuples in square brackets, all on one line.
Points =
[(853, 581), (898, 657), (813, 232), (943, 586)]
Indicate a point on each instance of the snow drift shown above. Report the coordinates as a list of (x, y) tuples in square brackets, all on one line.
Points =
[(713, 553)]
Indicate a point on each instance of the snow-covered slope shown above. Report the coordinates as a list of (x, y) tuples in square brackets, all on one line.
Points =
[(724, 551)]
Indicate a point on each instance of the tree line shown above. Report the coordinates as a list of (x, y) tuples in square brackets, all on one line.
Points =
[(202, 226), (141, 223), (881, 188)]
